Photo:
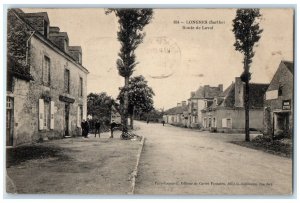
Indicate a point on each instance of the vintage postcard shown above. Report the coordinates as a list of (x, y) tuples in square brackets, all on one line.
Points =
[(105, 101)]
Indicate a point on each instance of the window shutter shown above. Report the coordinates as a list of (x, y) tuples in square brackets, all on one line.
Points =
[(78, 117), (52, 115), (224, 122), (41, 114)]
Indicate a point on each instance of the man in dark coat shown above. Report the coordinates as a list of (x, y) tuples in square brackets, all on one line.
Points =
[(85, 128), (97, 127), (112, 126)]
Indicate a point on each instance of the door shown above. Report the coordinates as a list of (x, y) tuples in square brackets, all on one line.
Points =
[(281, 122), (67, 111), (9, 119)]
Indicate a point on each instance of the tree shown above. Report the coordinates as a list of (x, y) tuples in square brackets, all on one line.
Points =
[(247, 32), (131, 24), (99, 106), (140, 97)]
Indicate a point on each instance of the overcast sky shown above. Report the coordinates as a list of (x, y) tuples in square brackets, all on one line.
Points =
[(175, 61)]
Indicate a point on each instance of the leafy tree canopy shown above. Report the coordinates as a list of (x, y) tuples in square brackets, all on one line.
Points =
[(140, 95), (131, 24), (99, 105), (247, 32)]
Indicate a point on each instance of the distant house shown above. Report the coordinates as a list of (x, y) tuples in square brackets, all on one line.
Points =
[(279, 102), (177, 115), (46, 81), (227, 114), (200, 99)]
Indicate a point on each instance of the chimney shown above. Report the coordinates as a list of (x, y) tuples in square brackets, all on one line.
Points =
[(220, 87), (239, 93), (178, 104), (183, 103), (54, 30), (192, 94), (76, 53)]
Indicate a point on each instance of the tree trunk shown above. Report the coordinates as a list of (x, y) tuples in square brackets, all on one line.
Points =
[(125, 107), (132, 115), (131, 121), (246, 102)]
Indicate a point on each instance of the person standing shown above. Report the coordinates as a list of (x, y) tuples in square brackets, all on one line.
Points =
[(112, 126), (97, 127), (87, 128), (83, 128), (163, 122)]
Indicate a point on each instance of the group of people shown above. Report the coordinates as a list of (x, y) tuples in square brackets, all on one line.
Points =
[(85, 126)]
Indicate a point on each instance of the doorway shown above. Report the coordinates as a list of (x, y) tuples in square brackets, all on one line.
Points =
[(281, 124), (67, 112)]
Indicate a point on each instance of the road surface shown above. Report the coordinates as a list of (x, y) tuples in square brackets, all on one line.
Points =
[(183, 161)]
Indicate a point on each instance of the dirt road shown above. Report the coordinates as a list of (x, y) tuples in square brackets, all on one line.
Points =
[(183, 161), (74, 166)]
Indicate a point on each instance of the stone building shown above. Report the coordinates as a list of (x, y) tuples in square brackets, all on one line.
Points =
[(177, 115), (279, 102), (46, 81), (227, 113), (199, 100)]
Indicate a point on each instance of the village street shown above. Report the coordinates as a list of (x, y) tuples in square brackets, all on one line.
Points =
[(183, 161)]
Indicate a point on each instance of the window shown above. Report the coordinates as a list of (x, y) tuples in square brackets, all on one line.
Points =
[(46, 115), (9, 103), (46, 29), (80, 58), (204, 122), (280, 90), (67, 81), (46, 71), (80, 86), (66, 45)]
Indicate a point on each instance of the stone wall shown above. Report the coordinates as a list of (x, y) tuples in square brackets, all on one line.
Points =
[(237, 117), (27, 95)]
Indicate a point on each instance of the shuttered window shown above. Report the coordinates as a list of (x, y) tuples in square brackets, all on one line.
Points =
[(46, 115), (41, 114), (52, 115)]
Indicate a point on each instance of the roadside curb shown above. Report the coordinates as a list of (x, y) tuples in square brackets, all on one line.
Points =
[(135, 171)]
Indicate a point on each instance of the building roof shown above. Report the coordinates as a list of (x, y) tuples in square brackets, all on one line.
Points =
[(227, 98), (289, 65), (20, 14), (176, 110), (206, 92), (256, 98), (226, 91)]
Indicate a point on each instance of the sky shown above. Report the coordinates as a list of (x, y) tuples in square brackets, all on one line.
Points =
[(175, 61)]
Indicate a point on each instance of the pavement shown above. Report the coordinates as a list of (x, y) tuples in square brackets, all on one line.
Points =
[(75, 166), (173, 161), (184, 161)]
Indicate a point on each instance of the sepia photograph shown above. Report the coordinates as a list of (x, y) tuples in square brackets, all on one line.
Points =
[(149, 101)]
